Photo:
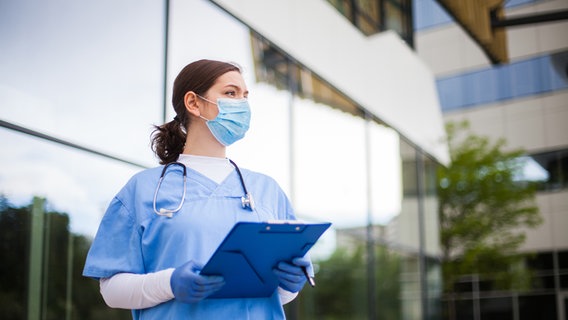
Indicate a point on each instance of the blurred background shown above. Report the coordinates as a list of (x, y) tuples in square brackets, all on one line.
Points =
[(349, 100)]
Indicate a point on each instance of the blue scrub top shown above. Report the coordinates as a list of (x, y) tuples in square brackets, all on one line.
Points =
[(132, 238)]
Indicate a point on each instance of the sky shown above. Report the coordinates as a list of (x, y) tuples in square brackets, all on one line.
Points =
[(91, 73)]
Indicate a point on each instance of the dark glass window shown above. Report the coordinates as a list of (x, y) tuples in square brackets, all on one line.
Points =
[(564, 281), (463, 287), (563, 269), (373, 16), (555, 166), (549, 170), (496, 308), (563, 260), (543, 261), (464, 310), (537, 307)]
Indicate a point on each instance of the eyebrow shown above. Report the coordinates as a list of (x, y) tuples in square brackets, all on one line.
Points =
[(236, 87)]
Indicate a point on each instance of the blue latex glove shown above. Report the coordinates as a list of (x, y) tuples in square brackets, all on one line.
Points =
[(291, 276), (189, 286)]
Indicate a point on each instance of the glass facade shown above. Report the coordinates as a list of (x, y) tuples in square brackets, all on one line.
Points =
[(89, 80), (374, 16), (550, 171), (548, 275), (519, 79), (430, 14)]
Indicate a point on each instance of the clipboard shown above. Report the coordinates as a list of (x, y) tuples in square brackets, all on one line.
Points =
[(251, 250)]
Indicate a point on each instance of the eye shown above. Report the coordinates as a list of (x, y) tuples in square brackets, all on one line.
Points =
[(231, 93)]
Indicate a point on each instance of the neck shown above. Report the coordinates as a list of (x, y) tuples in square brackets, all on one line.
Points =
[(204, 145)]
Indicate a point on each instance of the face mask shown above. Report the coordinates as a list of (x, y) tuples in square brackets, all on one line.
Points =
[(232, 122)]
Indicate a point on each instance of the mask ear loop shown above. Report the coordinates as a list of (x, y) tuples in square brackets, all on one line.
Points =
[(206, 99), (202, 117)]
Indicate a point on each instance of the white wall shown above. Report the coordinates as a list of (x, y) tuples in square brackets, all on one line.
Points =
[(381, 72)]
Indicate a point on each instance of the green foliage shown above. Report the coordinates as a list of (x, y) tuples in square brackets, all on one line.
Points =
[(86, 301), (342, 292), (483, 210)]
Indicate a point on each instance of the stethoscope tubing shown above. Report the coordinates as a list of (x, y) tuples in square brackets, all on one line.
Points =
[(246, 200)]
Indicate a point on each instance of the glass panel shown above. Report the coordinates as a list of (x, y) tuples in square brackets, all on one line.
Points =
[(429, 14), (517, 79), (84, 74), (395, 20), (368, 16), (548, 169), (563, 259), (464, 309), (92, 74), (496, 309), (45, 251), (542, 261), (537, 307), (434, 280), (564, 281), (373, 16)]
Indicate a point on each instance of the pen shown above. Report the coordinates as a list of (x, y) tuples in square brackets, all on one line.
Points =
[(310, 279)]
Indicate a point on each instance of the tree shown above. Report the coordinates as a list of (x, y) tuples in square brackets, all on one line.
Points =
[(86, 301), (341, 291), (483, 210)]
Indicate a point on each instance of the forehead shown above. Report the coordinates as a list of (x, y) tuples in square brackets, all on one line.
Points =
[(231, 78)]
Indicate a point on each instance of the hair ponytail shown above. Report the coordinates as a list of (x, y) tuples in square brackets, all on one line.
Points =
[(168, 140)]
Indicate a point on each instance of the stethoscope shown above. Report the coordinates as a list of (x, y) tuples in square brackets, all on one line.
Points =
[(246, 201)]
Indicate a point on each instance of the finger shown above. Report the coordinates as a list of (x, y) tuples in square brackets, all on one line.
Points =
[(206, 287), (205, 280), (301, 262), (290, 277), (289, 268)]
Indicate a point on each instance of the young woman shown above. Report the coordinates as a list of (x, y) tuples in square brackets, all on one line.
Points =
[(166, 222)]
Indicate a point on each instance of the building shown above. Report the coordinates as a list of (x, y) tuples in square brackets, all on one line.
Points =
[(525, 101), (81, 85)]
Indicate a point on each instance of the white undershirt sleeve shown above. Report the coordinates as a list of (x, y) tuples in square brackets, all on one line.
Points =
[(140, 291), (286, 296), (137, 291)]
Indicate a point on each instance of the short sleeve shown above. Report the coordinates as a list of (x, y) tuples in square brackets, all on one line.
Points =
[(116, 247)]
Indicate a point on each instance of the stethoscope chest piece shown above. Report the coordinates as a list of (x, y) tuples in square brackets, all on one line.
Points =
[(248, 202)]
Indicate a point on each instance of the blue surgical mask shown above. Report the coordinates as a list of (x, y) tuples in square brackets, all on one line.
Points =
[(232, 122)]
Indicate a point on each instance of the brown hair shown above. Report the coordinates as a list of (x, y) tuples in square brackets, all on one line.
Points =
[(168, 140)]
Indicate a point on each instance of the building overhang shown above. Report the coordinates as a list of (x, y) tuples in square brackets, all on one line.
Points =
[(380, 73)]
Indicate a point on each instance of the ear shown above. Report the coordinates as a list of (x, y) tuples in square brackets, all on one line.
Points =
[(190, 102)]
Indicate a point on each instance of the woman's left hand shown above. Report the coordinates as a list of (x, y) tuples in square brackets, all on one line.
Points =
[(291, 276)]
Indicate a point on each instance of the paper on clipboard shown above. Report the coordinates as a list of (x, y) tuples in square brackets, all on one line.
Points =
[(251, 250)]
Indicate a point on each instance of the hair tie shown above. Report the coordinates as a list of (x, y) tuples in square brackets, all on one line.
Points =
[(176, 118)]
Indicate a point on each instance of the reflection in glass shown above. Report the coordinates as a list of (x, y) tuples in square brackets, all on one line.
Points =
[(50, 284), (99, 84)]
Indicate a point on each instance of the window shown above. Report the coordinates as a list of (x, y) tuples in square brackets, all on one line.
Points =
[(276, 68), (373, 16), (549, 170), (518, 79)]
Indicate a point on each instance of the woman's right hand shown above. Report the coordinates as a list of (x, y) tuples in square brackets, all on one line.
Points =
[(189, 286)]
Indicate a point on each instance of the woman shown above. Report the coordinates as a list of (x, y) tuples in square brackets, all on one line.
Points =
[(154, 237)]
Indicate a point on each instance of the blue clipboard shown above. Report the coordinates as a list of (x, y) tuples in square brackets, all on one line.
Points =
[(251, 250)]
